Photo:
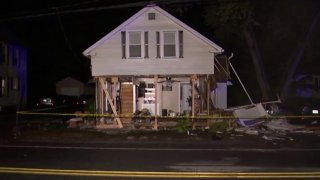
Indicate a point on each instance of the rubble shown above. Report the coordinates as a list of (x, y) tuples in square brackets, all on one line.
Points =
[(75, 122), (250, 115), (254, 119), (282, 125)]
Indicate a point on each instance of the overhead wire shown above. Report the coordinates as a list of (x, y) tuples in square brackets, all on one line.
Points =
[(64, 11), (42, 12), (66, 39)]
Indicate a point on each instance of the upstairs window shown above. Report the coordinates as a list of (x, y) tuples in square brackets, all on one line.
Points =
[(169, 44), (135, 42)]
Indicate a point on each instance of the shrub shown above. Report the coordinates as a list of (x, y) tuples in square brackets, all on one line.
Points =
[(182, 125), (220, 126), (89, 106)]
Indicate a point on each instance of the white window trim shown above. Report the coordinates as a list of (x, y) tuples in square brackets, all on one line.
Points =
[(128, 42), (176, 36)]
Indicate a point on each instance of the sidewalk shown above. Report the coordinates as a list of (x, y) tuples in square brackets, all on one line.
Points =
[(151, 138)]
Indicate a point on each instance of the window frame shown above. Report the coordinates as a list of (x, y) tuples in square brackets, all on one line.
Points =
[(142, 47), (176, 39)]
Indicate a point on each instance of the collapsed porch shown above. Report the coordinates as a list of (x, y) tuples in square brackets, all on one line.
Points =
[(119, 98)]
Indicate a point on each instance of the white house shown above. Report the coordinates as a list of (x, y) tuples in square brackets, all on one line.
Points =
[(70, 87), (154, 61)]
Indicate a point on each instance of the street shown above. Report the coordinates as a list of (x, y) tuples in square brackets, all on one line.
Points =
[(168, 159), (147, 157)]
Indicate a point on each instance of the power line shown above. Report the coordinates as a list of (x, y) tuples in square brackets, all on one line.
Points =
[(64, 12), (39, 11), (66, 39), (93, 9)]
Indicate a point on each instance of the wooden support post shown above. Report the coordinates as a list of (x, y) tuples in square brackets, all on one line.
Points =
[(208, 95), (114, 81), (193, 79), (96, 96), (208, 100), (101, 98), (156, 102), (114, 110)]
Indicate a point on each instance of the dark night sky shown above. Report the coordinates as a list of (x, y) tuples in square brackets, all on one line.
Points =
[(55, 35), (55, 42)]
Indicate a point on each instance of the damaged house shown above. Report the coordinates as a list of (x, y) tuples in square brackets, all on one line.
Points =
[(154, 61)]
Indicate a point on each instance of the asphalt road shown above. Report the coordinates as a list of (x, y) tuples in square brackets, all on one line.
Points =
[(136, 159), (139, 158)]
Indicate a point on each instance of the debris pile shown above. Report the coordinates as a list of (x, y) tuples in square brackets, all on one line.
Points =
[(255, 120)]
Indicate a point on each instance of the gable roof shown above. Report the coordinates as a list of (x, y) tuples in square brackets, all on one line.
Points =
[(217, 48), (69, 81)]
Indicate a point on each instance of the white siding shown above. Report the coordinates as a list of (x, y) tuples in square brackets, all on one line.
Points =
[(219, 96), (107, 58), (171, 99)]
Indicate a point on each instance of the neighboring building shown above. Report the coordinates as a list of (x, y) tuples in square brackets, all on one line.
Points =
[(13, 75), (72, 87), (155, 61), (306, 86)]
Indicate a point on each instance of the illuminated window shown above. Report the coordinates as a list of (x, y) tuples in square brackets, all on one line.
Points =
[(4, 88), (14, 83)]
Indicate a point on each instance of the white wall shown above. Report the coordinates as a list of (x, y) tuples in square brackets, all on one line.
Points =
[(107, 59), (171, 99), (219, 96)]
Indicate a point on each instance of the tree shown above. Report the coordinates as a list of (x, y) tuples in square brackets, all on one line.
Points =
[(229, 17), (298, 56)]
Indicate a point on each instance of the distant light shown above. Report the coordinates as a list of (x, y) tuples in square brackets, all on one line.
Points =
[(315, 111)]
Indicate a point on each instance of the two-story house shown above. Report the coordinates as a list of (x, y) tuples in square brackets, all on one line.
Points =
[(154, 61), (13, 75)]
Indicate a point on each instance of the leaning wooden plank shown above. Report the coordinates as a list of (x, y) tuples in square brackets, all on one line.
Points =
[(111, 103)]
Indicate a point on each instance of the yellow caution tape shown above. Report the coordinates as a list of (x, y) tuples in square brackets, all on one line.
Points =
[(205, 117)]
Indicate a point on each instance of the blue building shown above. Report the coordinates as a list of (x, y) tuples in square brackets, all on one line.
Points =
[(13, 75)]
